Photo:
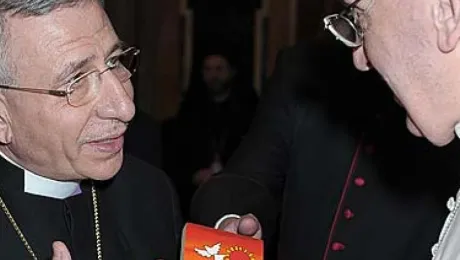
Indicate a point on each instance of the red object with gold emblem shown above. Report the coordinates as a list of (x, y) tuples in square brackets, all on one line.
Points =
[(200, 242)]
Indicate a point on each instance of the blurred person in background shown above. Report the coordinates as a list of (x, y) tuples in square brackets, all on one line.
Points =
[(213, 118)]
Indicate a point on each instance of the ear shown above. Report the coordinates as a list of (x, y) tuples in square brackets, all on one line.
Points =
[(446, 17), (360, 59), (6, 135)]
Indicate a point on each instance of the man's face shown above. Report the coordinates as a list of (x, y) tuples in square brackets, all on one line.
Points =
[(405, 41), (45, 134), (216, 73)]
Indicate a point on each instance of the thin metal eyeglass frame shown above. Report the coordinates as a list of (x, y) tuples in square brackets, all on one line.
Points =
[(68, 91), (344, 14)]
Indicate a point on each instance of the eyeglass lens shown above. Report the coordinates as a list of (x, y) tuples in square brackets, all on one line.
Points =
[(343, 27), (85, 89)]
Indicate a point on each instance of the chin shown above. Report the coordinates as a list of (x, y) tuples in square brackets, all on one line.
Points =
[(104, 176), (434, 135), (441, 140), (106, 169)]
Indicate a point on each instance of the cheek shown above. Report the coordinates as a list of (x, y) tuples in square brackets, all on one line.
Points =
[(376, 49), (39, 137), (385, 58), (64, 132), (60, 129)]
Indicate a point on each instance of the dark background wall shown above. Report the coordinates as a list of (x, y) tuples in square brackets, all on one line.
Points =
[(173, 35), (157, 27)]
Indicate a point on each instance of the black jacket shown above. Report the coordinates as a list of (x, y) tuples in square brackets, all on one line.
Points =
[(139, 217), (328, 176)]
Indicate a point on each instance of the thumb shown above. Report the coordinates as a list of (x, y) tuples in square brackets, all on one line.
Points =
[(60, 251), (249, 226)]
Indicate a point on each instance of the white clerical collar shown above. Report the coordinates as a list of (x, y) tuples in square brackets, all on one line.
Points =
[(37, 185), (447, 246)]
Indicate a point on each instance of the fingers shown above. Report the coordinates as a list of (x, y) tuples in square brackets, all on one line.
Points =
[(247, 225), (60, 251), (230, 225)]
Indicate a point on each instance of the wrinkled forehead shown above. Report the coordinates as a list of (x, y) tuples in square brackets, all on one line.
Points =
[(48, 41)]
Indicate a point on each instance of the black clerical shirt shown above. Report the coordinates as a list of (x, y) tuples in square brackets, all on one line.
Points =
[(138, 217)]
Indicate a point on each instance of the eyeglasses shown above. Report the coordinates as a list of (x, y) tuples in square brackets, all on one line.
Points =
[(344, 26), (85, 87)]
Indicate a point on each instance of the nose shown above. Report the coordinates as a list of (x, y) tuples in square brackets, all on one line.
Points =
[(115, 99)]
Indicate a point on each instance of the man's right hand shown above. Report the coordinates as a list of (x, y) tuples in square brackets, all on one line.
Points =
[(247, 225), (60, 251)]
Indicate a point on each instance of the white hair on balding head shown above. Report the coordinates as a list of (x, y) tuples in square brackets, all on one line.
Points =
[(25, 8)]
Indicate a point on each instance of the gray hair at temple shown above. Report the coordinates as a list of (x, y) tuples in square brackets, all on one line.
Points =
[(25, 8)]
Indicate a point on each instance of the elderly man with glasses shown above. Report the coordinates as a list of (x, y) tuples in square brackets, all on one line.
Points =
[(66, 190), (318, 184), (414, 45)]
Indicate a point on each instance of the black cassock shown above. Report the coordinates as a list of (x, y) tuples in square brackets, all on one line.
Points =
[(139, 217), (321, 190)]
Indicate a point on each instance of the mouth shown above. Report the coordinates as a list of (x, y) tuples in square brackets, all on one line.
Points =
[(111, 145)]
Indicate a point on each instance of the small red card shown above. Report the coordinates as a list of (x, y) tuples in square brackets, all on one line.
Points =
[(200, 242)]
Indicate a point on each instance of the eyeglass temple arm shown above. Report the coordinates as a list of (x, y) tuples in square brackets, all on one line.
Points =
[(59, 93)]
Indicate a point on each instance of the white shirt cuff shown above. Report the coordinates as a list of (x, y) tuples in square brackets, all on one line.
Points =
[(225, 217)]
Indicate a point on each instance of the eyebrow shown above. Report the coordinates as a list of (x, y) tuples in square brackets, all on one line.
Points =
[(353, 4), (117, 46), (73, 66), (79, 64)]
